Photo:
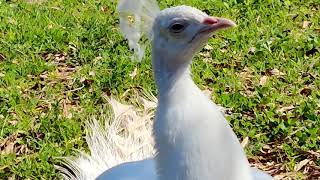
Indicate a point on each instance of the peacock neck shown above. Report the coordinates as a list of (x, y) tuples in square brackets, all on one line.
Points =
[(170, 75), (193, 140)]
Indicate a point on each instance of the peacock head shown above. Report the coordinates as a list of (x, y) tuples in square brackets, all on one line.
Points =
[(183, 30)]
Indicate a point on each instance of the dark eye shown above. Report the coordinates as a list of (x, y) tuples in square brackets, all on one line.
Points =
[(177, 28)]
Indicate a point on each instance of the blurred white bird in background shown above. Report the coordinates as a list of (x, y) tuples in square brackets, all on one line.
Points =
[(192, 138)]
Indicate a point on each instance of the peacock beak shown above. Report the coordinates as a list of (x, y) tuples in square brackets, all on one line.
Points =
[(213, 24)]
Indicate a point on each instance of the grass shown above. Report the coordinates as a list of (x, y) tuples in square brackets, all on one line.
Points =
[(59, 59)]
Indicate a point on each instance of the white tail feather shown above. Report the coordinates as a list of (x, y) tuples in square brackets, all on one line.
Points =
[(126, 137)]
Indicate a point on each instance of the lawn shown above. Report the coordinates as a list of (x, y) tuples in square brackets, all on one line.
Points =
[(60, 59)]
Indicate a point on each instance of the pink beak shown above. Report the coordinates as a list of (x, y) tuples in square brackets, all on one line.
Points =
[(216, 23)]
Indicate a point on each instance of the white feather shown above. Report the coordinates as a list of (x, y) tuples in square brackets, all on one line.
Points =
[(125, 137), (136, 18)]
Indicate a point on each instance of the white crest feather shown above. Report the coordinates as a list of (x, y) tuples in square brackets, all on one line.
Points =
[(136, 20)]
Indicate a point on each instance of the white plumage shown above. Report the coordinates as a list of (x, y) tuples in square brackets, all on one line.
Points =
[(192, 138), (126, 137)]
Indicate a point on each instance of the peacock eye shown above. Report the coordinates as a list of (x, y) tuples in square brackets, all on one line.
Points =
[(177, 28)]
